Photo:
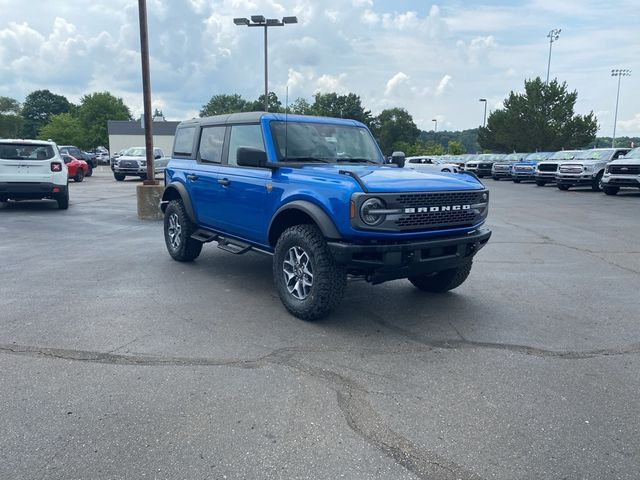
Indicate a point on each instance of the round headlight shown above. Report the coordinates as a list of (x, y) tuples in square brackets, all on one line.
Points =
[(367, 212)]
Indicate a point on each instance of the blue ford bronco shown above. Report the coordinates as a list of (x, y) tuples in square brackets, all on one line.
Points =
[(317, 194)]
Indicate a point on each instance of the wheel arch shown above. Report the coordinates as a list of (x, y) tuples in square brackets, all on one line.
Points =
[(177, 191), (301, 212)]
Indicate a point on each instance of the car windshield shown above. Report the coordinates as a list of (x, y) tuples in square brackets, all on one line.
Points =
[(564, 155), (18, 151), (307, 141), (593, 155), (135, 152), (635, 153), (537, 156)]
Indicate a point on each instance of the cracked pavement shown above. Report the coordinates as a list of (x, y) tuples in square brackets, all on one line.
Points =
[(117, 362)]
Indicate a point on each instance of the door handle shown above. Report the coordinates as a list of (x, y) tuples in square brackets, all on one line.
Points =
[(224, 182), (193, 178)]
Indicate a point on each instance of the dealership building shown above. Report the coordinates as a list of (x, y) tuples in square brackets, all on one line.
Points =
[(125, 134)]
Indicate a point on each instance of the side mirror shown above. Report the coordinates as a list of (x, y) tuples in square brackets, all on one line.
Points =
[(157, 156), (251, 157), (398, 158)]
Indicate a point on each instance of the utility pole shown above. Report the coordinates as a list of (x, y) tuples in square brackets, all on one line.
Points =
[(616, 72), (553, 36)]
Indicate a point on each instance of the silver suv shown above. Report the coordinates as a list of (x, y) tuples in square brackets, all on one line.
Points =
[(623, 172), (586, 169), (33, 170)]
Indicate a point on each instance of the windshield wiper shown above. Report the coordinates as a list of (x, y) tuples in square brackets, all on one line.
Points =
[(356, 160), (306, 159)]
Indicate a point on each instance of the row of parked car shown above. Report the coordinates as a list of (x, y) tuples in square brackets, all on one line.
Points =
[(602, 169)]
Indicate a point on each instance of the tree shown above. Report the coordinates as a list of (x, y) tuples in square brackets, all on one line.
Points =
[(225, 103), (38, 107), (63, 129), (95, 109), (301, 107), (393, 126), (455, 148), (258, 105), (340, 106), (11, 121), (541, 118)]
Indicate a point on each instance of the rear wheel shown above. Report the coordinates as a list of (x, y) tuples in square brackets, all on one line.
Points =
[(119, 177), (610, 190), (63, 200), (309, 283), (79, 175), (178, 229), (563, 187), (443, 281), (89, 170)]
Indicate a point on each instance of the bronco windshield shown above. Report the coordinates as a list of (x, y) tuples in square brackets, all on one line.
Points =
[(322, 142)]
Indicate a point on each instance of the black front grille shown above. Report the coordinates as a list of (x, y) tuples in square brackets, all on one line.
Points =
[(453, 210), (548, 167), (128, 164), (485, 165), (625, 169)]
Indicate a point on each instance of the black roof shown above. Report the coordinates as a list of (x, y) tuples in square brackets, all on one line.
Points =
[(132, 127)]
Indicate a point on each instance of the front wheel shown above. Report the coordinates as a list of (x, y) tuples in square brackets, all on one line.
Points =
[(309, 282), (63, 200), (563, 187), (443, 281), (89, 170), (596, 184), (119, 177), (178, 229), (516, 180), (79, 175), (541, 183), (610, 190)]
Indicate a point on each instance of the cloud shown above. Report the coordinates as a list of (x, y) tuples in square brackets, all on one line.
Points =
[(331, 83), (395, 81), (443, 85)]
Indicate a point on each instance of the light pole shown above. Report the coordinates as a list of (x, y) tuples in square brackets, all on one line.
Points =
[(616, 72), (435, 128), (484, 119), (553, 36), (261, 21)]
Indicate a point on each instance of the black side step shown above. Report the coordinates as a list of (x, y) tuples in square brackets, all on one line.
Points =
[(204, 236), (233, 246)]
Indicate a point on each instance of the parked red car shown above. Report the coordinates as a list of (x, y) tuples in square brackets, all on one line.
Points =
[(77, 168)]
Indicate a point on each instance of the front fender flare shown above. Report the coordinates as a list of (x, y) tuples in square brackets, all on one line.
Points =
[(319, 216)]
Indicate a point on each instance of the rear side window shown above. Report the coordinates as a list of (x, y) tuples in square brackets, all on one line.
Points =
[(183, 143), (211, 143), (16, 151)]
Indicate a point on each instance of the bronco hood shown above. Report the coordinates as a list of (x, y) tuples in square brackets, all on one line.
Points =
[(393, 179)]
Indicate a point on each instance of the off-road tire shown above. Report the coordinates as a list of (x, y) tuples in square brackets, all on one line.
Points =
[(89, 170), (610, 190), (540, 183), (178, 229), (443, 281), (328, 280), (79, 175), (562, 187), (119, 177), (63, 200), (595, 184)]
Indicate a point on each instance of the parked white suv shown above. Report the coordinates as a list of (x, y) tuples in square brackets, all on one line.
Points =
[(623, 172), (32, 170)]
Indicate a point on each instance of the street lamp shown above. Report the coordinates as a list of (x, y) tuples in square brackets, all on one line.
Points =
[(484, 119), (435, 128), (553, 36), (616, 72), (261, 21)]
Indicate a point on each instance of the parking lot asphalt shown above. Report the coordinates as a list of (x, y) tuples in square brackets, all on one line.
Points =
[(118, 362)]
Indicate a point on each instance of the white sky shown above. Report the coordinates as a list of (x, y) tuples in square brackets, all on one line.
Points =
[(434, 59)]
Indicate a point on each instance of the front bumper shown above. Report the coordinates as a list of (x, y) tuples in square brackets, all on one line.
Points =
[(546, 176), (632, 181), (523, 175), (499, 174), (574, 180), (483, 171), (383, 262)]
